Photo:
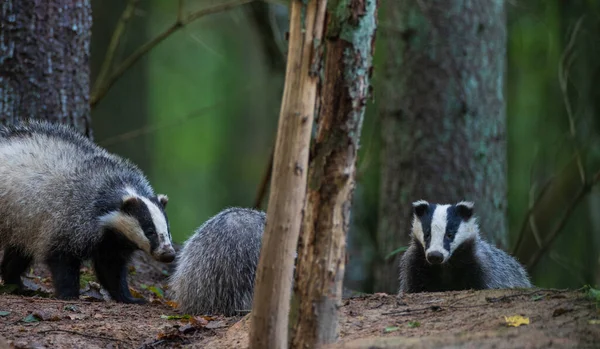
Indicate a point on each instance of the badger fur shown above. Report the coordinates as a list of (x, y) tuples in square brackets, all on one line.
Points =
[(63, 199), (216, 267), (447, 253)]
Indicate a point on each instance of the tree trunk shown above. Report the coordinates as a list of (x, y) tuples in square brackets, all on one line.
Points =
[(321, 249), (443, 118), (269, 322), (44, 61)]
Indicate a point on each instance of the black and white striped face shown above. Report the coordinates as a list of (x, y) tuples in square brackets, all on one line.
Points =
[(442, 228), (144, 222)]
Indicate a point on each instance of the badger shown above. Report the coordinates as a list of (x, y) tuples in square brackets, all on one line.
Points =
[(446, 253), (215, 269), (63, 200)]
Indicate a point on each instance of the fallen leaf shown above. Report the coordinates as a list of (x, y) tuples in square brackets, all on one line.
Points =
[(175, 317), (208, 318), (71, 307), (414, 324), (391, 329), (46, 315), (30, 318), (4, 313), (172, 304), (98, 316), (157, 291), (135, 293), (215, 324), (85, 279), (171, 333), (560, 311), (537, 297), (594, 322), (198, 321), (76, 316), (516, 321), (186, 329)]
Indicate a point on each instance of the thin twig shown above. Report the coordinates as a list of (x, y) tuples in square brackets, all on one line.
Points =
[(514, 295), (264, 183), (412, 311), (563, 78), (144, 49), (180, 11), (529, 213), (113, 45), (52, 300), (585, 189), (83, 335), (174, 122)]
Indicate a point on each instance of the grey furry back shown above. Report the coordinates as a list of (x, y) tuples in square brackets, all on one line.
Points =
[(500, 269), (216, 268)]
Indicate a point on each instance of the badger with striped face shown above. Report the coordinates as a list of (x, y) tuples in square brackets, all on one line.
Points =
[(447, 253), (63, 200)]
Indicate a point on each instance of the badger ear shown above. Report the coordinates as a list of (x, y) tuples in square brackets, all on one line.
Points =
[(465, 209), (420, 207), (163, 199), (130, 202)]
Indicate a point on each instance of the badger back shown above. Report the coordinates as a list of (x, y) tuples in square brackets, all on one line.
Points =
[(216, 268)]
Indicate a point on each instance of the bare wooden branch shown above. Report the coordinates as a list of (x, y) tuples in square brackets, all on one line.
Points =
[(262, 188), (563, 78), (113, 45), (269, 317), (144, 49), (583, 191)]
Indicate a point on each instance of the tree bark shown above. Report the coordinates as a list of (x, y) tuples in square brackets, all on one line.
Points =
[(44, 61), (321, 249), (443, 118), (269, 322)]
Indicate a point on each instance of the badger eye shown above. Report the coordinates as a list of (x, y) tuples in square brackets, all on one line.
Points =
[(150, 232)]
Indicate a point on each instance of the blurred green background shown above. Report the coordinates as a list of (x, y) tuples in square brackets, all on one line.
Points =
[(199, 115)]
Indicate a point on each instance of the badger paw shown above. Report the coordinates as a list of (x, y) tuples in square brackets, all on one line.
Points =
[(132, 300)]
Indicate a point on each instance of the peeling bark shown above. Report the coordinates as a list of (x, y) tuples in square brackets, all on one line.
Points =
[(321, 249), (44, 61), (443, 118), (269, 319)]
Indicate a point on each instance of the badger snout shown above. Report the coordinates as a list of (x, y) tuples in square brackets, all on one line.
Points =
[(165, 255), (435, 257)]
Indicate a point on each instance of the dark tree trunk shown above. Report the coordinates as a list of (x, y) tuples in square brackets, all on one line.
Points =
[(443, 117), (322, 245), (44, 61)]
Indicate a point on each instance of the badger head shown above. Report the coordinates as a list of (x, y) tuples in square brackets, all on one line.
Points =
[(441, 229), (143, 221)]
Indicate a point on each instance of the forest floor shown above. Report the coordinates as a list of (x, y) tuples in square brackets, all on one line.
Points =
[(468, 319)]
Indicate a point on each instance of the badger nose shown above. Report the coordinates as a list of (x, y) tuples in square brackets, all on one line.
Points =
[(435, 257), (166, 257)]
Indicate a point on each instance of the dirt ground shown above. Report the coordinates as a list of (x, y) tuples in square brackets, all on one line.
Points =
[(468, 319)]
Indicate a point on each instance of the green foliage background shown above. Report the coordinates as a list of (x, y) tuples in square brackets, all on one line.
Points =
[(213, 99)]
